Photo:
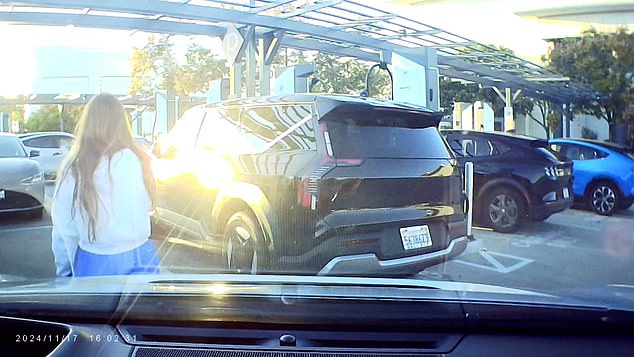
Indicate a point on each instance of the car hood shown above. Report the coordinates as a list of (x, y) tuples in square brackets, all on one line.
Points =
[(15, 169)]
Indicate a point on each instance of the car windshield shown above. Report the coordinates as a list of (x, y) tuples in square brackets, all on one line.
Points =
[(10, 147), (408, 145)]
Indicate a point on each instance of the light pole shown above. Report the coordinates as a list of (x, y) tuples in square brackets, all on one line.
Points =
[(60, 109)]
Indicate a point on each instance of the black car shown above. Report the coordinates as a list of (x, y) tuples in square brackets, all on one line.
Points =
[(515, 177), (313, 183)]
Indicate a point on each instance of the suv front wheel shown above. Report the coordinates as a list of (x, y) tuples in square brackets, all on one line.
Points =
[(243, 241)]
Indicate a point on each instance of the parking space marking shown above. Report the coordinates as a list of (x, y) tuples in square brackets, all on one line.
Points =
[(561, 242), (527, 242), (551, 241), (495, 264), (582, 226), (21, 229)]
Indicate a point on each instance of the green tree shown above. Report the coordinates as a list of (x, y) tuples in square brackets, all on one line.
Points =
[(154, 67), (547, 116), (48, 118), (16, 112), (200, 69), (605, 63), (453, 91)]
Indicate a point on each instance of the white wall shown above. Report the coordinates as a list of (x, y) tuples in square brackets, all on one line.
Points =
[(599, 126), (528, 126)]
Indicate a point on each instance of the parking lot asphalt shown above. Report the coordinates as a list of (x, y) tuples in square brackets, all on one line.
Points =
[(574, 249)]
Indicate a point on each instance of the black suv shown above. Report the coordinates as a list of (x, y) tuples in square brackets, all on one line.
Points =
[(515, 177), (313, 183)]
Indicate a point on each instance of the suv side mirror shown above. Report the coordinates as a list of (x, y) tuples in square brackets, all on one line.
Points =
[(34, 153)]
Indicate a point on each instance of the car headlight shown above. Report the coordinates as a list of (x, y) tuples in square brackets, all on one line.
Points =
[(38, 177)]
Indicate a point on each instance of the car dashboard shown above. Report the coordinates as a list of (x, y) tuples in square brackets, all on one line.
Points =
[(294, 324)]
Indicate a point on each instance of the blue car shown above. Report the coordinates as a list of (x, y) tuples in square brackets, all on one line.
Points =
[(603, 173)]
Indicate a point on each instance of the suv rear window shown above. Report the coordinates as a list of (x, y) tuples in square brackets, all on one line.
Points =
[(384, 139)]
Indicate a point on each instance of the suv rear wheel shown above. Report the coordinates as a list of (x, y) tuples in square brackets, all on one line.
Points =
[(243, 253), (604, 198), (503, 210)]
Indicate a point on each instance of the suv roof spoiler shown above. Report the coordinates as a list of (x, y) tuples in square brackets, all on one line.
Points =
[(360, 113)]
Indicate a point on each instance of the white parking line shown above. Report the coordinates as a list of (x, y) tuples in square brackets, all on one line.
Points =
[(496, 265), (20, 229), (582, 226)]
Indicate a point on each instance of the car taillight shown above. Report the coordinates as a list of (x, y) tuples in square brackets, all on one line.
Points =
[(303, 193), (558, 171), (308, 186)]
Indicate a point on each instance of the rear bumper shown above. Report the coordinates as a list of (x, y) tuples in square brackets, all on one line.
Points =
[(550, 199), (370, 263), (628, 200), (22, 209), (378, 250), (546, 209), (29, 198)]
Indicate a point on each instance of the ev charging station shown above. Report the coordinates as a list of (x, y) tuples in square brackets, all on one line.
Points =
[(293, 79), (473, 116), (416, 79)]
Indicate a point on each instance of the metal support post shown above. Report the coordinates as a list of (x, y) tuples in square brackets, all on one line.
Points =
[(264, 69), (509, 117), (234, 47), (468, 180), (235, 80), (267, 50), (250, 63), (60, 108), (508, 98), (567, 118), (172, 109)]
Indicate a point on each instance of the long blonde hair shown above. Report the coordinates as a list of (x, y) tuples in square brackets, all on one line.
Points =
[(102, 130)]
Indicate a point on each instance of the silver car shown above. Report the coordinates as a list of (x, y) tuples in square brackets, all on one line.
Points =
[(21, 178), (53, 147)]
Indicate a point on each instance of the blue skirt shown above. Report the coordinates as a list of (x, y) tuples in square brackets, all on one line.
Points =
[(141, 260)]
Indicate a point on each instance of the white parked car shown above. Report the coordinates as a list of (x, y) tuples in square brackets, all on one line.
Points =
[(53, 147), (21, 184)]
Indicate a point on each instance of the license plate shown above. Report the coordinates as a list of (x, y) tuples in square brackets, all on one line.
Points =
[(566, 192), (2, 196), (416, 237)]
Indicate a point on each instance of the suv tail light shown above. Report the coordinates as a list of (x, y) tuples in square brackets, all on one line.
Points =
[(308, 187)]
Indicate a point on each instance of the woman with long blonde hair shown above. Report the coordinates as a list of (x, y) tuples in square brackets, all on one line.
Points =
[(103, 198)]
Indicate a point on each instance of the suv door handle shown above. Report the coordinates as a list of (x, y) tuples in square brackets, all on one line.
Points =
[(57, 153)]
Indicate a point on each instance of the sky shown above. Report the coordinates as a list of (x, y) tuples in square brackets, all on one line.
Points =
[(17, 65), (494, 21), (485, 21)]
